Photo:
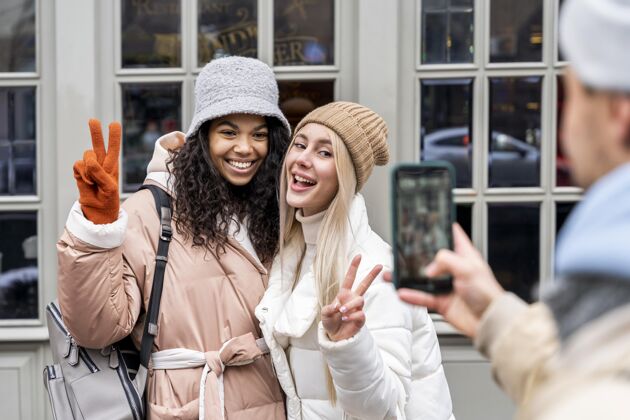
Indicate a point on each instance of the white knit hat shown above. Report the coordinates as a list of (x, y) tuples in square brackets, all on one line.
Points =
[(235, 85), (595, 38)]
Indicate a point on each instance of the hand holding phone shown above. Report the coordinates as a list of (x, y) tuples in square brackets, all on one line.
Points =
[(423, 214)]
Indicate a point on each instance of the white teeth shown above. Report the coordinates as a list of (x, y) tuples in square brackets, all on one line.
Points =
[(300, 179), (240, 165)]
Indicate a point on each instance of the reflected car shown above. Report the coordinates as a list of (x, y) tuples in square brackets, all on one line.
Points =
[(513, 162)]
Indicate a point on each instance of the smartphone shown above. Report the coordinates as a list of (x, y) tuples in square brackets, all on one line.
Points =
[(423, 214)]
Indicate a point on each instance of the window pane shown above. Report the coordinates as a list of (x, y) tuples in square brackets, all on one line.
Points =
[(562, 212), (514, 144), (304, 32), (18, 164), (17, 36), (464, 217), (151, 33), (563, 169), (513, 241), (149, 110), (446, 125), (447, 32), (516, 32), (227, 28), (18, 265), (298, 98)]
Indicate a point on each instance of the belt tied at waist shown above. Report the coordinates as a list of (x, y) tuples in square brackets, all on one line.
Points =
[(237, 351)]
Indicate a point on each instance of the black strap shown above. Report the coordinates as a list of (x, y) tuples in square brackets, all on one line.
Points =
[(163, 207)]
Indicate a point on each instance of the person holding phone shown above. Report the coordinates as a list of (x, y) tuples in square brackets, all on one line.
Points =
[(568, 356), (222, 177), (341, 341)]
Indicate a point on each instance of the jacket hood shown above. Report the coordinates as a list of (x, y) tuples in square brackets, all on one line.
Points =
[(157, 170), (594, 239)]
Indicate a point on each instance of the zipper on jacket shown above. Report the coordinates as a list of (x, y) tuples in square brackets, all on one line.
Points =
[(130, 391), (73, 350)]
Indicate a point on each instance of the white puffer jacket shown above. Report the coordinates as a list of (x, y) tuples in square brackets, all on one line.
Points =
[(391, 369)]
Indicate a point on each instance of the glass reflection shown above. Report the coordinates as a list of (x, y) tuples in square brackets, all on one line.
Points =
[(227, 28), (515, 135), (18, 36), (151, 33), (298, 98), (18, 265), (562, 213), (516, 31), (464, 217), (446, 125), (447, 31), (513, 246), (304, 32), (563, 169), (18, 164), (149, 111)]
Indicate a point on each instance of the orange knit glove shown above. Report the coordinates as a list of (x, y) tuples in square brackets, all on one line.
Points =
[(97, 175)]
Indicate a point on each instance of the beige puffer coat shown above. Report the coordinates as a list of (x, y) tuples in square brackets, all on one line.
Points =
[(105, 279), (587, 378)]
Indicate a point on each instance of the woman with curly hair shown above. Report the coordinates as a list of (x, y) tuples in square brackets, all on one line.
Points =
[(222, 177)]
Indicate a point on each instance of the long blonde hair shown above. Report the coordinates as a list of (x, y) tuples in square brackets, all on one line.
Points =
[(330, 262)]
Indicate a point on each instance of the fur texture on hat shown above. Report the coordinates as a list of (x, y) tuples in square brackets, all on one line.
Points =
[(235, 85), (362, 130)]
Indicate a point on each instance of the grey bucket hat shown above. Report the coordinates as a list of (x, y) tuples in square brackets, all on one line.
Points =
[(235, 85)]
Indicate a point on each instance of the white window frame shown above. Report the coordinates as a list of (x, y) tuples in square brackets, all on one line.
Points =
[(43, 203), (547, 195)]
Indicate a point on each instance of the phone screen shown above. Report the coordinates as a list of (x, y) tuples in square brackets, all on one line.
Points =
[(423, 218)]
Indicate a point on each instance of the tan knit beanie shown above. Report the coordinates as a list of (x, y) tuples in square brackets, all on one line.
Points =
[(362, 130)]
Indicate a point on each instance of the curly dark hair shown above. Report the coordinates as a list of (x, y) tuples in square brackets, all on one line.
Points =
[(206, 203)]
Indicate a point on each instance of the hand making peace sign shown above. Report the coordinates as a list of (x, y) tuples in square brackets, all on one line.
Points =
[(345, 317), (97, 175)]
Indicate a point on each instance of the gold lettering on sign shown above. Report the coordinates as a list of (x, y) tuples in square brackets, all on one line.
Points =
[(240, 39), (290, 51), (153, 8), (215, 7)]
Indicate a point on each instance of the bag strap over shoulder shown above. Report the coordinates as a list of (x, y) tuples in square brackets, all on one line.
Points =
[(164, 211)]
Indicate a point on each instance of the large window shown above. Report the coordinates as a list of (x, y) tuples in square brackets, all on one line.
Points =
[(155, 73), (20, 140), (489, 94)]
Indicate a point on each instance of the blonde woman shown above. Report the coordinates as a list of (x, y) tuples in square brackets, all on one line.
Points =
[(342, 343)]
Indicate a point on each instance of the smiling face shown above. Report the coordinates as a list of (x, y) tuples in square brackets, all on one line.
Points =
[(310, 169), (238, 146)]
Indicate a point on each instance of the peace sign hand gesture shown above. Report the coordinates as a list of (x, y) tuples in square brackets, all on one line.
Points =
[(97, 175), (344, 317)]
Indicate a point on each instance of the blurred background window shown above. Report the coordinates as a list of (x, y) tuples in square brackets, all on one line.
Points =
[(149, 111), (226, 28), (304, 32), (18, 265), (17, 36), (515, 131), (298, 98), (151, 34), (446, 125), (516, 30), (18, 164), (447, 31)]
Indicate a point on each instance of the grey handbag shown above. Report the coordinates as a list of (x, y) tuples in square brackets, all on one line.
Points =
[(108, 383)]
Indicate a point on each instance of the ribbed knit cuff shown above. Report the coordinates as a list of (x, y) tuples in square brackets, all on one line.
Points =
[(107, 236)]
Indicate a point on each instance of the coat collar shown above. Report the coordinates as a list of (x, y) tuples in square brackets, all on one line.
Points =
[(290, 308)]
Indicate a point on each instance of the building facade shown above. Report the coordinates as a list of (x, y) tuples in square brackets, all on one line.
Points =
[(475, 82)]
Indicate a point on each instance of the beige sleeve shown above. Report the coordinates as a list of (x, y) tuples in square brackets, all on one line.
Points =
[(519, 339), (100, 290)]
